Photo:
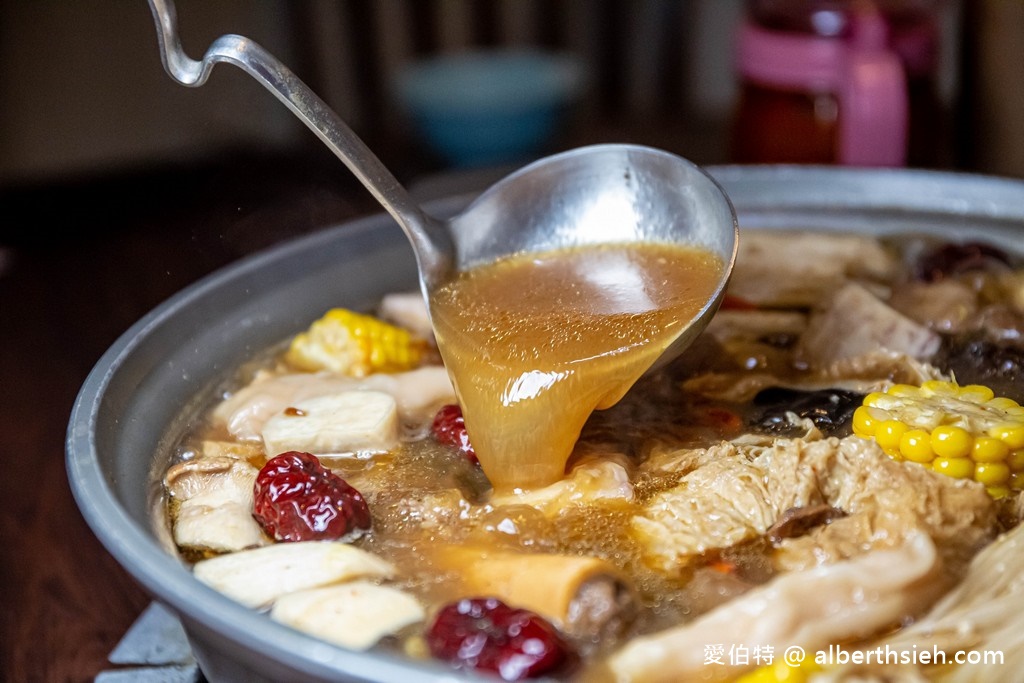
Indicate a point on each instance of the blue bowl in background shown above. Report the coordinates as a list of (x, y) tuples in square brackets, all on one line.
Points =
[(489, 107)]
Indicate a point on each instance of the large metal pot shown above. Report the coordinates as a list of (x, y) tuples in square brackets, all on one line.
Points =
[(141, 393)]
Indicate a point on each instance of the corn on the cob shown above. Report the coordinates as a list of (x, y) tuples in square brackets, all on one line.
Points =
[(355, 344), (962, 431), (782, 671)]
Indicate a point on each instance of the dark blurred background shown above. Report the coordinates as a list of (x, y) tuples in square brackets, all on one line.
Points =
[(87, 108)]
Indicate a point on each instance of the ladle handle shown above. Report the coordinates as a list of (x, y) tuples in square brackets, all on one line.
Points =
[(429, 237)]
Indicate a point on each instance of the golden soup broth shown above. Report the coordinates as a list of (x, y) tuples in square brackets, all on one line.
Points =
[(535, 343)]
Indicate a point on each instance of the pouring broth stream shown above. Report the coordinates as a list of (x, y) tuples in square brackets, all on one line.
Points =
[(535, 343)]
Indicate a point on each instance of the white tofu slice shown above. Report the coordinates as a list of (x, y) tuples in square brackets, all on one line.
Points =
[(256, 578), (354, 615), (337, 424)]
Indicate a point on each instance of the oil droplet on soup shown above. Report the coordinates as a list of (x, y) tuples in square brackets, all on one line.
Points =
[(535, 343)]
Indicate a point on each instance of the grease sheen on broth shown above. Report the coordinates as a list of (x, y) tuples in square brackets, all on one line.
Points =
[(536, 342)]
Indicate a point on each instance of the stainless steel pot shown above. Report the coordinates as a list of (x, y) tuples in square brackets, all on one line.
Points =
[(139, 396)]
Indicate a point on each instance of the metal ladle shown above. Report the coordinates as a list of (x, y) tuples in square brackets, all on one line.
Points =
[(596, 194)]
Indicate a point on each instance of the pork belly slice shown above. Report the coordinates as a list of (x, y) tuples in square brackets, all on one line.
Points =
[(796, 269), (856, 322)]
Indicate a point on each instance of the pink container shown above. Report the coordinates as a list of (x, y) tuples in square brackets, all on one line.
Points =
[(866, 78)]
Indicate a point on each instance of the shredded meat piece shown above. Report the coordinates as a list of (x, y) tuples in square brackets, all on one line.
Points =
[(593, 480)]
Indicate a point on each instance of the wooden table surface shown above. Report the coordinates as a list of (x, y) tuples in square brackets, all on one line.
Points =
[(79, 263)]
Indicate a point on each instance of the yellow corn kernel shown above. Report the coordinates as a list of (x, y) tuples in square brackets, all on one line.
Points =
[(1003, 403), (948, 441), (998, 492), (888, 435), (904, 390), (989, 449), (1012, 434), (1016, 460), (958, 468), (355, 344), (991, 473), (874, 398), (780, 671), (864, 424), (976, 393), (916, 446), (964, 432)]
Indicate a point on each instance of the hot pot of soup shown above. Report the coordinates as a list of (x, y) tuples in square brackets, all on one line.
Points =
[(825, 486)]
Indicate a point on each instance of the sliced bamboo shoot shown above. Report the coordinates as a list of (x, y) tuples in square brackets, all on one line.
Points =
[(355, 615), (257, 577), (213, 497), (337, 424)]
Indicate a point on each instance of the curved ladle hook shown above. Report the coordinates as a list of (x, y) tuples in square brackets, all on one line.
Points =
[(429, 237)]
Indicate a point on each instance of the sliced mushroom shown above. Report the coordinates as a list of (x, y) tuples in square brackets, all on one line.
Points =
[(797, 521), (212, 501)]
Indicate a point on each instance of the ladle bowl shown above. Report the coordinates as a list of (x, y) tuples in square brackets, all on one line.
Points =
[(609, 193)]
